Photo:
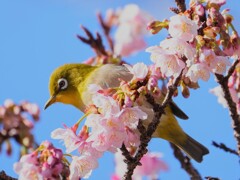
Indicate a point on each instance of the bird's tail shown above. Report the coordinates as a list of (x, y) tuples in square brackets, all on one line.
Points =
[(193, 149)]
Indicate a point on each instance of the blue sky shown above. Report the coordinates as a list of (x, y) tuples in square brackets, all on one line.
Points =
[(38, 36)]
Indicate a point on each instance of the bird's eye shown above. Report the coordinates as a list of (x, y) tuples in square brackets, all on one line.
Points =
[(62, 83)]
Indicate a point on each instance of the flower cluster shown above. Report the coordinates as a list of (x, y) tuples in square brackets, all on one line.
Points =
[(14, 123), (151, 166), (130, 30), (44, 163), (234, 89), (107, 127), (194, 48)]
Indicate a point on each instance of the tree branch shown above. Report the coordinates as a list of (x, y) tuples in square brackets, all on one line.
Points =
[(223, 81), (181, 5), (106, 29), (4, 176), (95, 43), (146, 134), (186, 163), (231, 69), (211, 178), (224, 147)]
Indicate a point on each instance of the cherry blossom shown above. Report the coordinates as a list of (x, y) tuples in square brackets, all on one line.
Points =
[(152, 165), (71, 140), (198, 71), (44, 163), (169, 63), (139, 70), (182, 27), (131, 28), (82, 166)]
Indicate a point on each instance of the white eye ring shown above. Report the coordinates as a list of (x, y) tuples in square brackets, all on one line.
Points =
[(62, 83)]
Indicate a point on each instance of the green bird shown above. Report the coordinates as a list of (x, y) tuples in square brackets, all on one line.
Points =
[(69, 85)]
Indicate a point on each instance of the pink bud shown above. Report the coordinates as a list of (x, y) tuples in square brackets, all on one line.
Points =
[(199, 9)]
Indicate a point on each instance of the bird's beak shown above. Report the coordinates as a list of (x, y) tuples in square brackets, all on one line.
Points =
[(51, 100)]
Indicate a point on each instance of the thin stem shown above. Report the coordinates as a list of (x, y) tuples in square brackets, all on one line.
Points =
[(224, 147), (223, 81), (186, 163), (106, 29)]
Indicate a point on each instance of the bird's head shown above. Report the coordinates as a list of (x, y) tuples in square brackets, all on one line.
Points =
[(64, 83)]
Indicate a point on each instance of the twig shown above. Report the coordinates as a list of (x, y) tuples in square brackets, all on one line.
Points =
[(106, 28), (181, 5), (231, 69), (223, 81), (146, 134), (175, 10), (224, 147), (4, 176), (186, 163), (211, 178), (95, 43)]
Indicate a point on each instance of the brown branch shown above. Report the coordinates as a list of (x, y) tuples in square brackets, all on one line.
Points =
[(4, 176), (181, 5), (211, 178), (146, 134), (186, 163), (95, 43), (106, 29), (231, 69), (223, 81), (224, 147), (175, 10)]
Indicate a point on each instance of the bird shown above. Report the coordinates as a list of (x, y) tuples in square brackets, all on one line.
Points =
[(69, 83)]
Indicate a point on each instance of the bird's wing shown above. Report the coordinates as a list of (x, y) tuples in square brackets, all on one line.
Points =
[(108, 76)]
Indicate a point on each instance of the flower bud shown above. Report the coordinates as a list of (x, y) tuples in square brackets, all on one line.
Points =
[(155, 26), (185, 90), (199, 9), (228, 18)]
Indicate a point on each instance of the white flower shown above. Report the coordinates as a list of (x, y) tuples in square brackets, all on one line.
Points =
[(71, 140), (81, 167), (139, 70), (182, 27)]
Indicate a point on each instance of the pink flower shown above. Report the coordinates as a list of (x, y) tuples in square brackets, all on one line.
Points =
[(112, 126), (32, 109), (179, 47), (131, 115), (44, 163), (139, 70), (71, 140), (152, 165), (217, 91), (221, 64), (126, 46), (27, 168), (208, 57), (217, 64), (106, 104), (82, 166), (131, 29), (197, 71), (169, 63), (8, 103), (182, 27), (199, 9)]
